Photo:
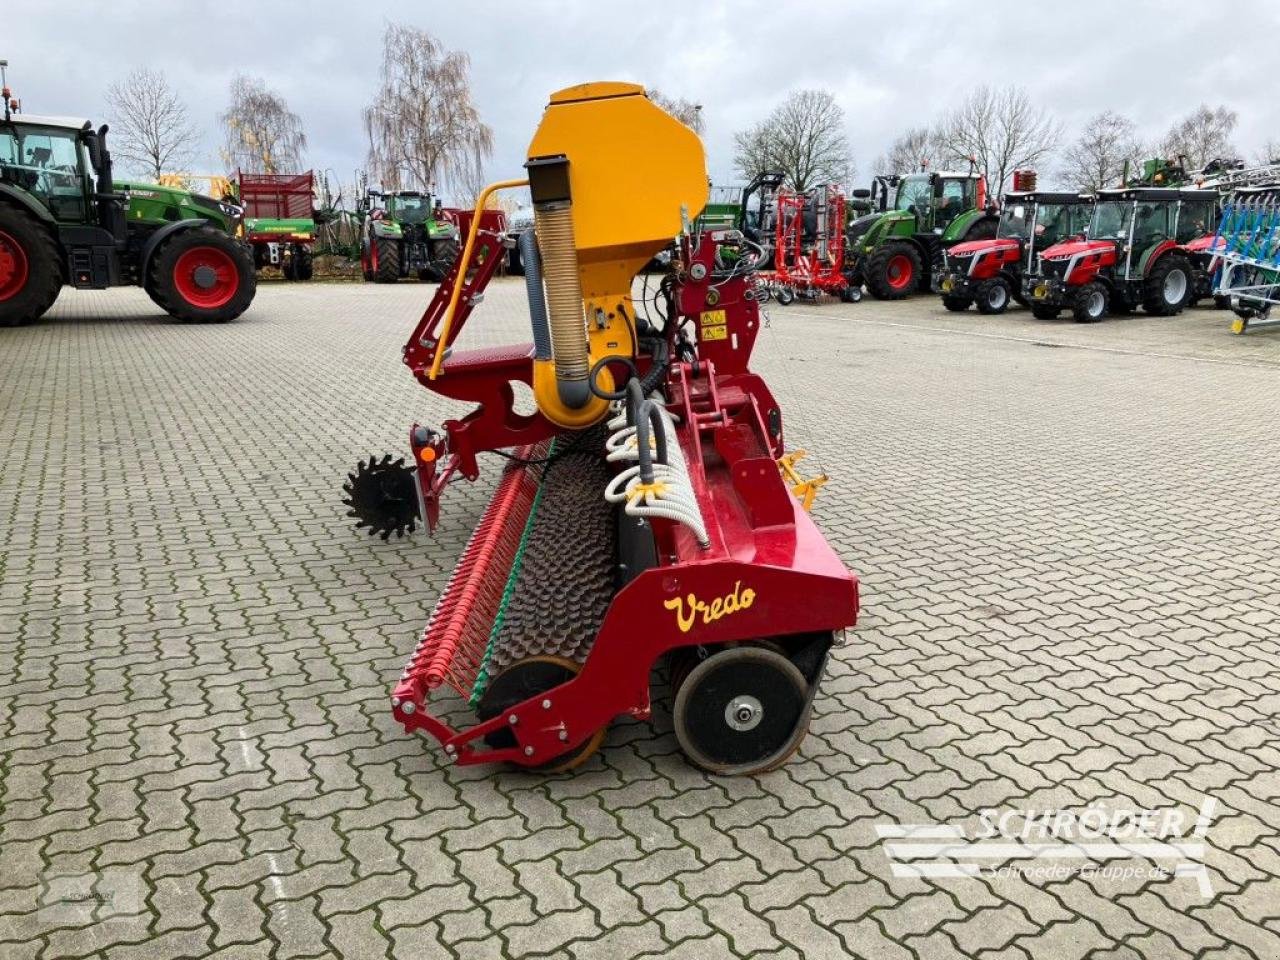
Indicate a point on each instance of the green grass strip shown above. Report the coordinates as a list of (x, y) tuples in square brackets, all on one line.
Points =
[(482, 676)]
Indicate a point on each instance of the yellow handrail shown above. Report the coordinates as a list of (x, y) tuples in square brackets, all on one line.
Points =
[(481, 202)]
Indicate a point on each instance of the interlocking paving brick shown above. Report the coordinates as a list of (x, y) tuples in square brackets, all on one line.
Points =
[(1068, 556)]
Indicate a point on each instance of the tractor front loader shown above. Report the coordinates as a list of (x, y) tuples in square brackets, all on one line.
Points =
[(648, 508)]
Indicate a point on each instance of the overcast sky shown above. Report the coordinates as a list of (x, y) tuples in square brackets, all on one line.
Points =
[(890, 65)]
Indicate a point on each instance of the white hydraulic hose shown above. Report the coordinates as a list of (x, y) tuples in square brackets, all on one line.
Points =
[(671, 495)]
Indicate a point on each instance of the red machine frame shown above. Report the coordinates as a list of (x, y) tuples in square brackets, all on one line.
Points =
[(813, 268), (764, 552)]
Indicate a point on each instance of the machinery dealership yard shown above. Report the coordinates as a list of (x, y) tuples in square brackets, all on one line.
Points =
[(1068, 541)]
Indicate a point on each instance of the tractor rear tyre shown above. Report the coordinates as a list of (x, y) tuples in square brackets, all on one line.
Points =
[(742, 710), (30, 270), (956, 304), (1168, 286), (993, 296), (303, 268), (1090, 303), (386, 260), (1043, 312), (201, 275), (893, 271)]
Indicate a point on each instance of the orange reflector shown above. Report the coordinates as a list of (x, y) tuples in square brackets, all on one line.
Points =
[(428, 454)]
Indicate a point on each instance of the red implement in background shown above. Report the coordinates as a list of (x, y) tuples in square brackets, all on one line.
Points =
[(809, 249)]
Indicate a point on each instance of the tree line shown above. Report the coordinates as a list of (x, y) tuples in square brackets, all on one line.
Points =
[(425, 131), (423, 128), (997, 130)]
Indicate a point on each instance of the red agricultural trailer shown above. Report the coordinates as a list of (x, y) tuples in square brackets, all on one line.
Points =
[(279, 212)]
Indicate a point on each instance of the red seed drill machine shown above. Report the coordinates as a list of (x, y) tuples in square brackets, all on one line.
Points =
[(647, 508)]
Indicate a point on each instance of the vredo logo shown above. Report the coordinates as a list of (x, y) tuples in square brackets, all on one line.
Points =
[(689, 609)]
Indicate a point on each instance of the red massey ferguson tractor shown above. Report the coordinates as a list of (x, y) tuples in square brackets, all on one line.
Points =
[(988, 273), (1131, 256)]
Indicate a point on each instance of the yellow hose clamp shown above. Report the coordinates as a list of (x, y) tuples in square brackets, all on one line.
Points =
[(657, 488)]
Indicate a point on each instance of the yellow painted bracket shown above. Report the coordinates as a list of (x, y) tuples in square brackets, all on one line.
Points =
[(803, 490), (482, 202)]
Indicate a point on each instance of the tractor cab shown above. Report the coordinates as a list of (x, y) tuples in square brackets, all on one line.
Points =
[(936, 199), (47, 159)]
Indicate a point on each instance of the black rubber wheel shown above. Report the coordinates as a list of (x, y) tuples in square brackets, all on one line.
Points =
[(443, 254), (742, 710), (515, 265), (30, 268), (303, 268), (201, 275), (1042, 312), (785, 295), (993, 296), (851, 294), (1168, 286), (289, 268), (893, 271), (956, 304), (1090, 303), (524, 679), (386, 260)]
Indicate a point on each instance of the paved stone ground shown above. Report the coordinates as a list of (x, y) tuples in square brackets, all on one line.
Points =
[(1070, 561)]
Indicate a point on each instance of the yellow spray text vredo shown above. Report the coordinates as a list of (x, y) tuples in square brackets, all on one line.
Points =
[(689, 608)]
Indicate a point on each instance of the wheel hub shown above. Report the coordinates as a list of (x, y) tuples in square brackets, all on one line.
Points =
[(743, 712), (1175, 286), (205, 277)]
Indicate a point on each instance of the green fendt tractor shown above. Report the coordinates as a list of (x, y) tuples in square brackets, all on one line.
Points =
[(65, 220), (893, 251), (406, 235)]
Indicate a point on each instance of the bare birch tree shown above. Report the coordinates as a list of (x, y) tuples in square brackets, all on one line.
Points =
[(151, 129), (686, 111), (907, 154), (1202, 135), (803, 138), (261, 133), (1096, 159), (1000, 131), (424, 129)]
